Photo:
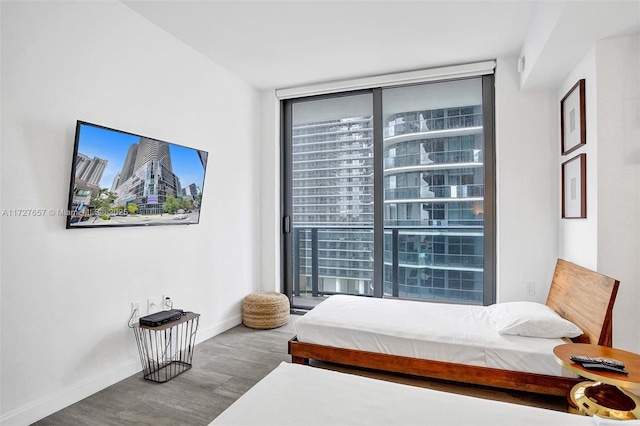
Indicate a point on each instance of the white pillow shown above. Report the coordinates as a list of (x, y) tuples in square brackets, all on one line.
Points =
[(531, 319)]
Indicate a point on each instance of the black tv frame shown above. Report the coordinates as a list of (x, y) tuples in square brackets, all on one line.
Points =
[(147, 182)]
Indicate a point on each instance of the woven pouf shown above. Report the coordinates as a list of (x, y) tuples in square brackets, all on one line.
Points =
[(265, 310)]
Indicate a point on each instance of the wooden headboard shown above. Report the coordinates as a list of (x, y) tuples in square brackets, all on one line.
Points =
[(585, 298)]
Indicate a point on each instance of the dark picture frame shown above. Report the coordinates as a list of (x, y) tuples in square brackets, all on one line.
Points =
[(573, 121), (574, 187)]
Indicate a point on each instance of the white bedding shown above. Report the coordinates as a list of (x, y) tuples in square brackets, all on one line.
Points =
[(294, 394), (462, 334)]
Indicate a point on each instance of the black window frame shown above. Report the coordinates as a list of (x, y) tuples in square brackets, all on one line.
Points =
[(286, 200)]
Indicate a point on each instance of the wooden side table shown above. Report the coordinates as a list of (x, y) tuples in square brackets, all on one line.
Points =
[(605, 393)]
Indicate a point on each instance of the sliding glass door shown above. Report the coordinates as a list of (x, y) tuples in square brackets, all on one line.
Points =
[(331, 180), (386, 193)]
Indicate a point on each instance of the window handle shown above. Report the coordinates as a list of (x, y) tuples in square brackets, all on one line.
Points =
[(286, 224)]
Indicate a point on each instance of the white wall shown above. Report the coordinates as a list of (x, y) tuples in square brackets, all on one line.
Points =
[(618, 171), (270, 188), (608, 239), (578, 237), (526, 172), (66, 294)]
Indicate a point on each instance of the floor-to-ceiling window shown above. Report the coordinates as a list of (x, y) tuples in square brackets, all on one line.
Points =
[(389, 192)]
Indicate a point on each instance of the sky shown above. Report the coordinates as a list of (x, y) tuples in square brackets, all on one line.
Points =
[(113, 145)]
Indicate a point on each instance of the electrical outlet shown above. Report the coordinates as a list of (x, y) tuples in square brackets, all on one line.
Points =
[(167, 301), (531, 288), (153, 305), (135, 311)]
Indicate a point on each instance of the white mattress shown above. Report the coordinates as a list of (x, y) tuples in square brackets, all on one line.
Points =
[(462, 334), (294, 394)]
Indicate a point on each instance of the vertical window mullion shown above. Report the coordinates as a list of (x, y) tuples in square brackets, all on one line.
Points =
[(286, 203), (378, 195), (315, 276), (296, 263), (489, 258), (395, 275)]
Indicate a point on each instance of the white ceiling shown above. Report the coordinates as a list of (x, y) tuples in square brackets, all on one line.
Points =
[(279, 44)]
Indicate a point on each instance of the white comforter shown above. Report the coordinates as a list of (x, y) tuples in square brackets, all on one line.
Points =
[(461, 334), (294, 394)]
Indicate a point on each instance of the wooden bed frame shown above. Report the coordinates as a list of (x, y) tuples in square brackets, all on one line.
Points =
[(580, 295)]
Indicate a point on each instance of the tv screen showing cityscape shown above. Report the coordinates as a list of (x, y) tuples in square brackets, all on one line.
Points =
[(123, 179)]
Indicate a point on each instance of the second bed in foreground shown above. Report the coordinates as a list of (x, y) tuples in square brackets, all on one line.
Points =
[(293, 394)]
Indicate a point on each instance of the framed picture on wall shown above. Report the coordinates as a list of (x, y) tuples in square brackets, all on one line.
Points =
[(573, 121), (574, 187)]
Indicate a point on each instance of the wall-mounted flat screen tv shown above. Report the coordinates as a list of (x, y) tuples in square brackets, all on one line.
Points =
[(123, 179)]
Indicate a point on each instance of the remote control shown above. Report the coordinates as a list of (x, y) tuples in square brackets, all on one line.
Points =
[(605, 367), (581, 359)]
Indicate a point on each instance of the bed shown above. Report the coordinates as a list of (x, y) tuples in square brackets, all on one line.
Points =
[(373, 338), (295, 394)]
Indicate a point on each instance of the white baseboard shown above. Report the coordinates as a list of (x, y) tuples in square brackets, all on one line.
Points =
[(56, 401), (42, 407), (208, 333)]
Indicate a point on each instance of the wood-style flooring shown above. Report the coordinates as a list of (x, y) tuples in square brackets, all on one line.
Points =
[(224, 367)]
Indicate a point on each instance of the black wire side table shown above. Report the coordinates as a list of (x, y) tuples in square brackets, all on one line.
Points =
[(166, 351)]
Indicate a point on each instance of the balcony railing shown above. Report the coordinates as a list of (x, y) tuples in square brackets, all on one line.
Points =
[(431, 124), (431, 159), (431, 192), (340, 261)]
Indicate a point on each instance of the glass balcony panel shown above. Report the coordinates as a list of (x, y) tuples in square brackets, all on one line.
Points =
[(434, 191)]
